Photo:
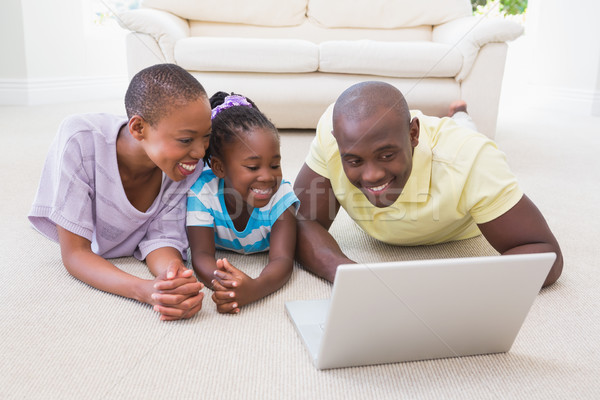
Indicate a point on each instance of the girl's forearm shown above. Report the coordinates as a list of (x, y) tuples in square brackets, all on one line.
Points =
[(275, 274), (205, 265)]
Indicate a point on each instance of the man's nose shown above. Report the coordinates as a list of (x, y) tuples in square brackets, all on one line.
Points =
[(372, 173)]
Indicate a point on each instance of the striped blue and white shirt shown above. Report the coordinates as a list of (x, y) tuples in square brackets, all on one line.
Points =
[(206, 207)]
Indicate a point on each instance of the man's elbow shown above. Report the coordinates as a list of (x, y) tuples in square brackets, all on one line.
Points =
[(556, 269)]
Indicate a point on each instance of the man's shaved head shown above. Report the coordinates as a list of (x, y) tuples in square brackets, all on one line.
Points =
[(364, 99)]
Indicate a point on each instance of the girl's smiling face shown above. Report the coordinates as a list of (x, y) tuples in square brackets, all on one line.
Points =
[(251, 169), (178, 141)]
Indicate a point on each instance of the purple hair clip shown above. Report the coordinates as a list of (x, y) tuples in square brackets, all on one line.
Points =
[(228, 102)]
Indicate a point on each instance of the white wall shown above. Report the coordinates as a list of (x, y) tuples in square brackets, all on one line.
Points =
[(56, 55), (565, 54), (596, 103), (11, 40), (51, 54)]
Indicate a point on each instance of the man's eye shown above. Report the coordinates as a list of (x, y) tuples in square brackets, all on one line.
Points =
[(387, 156)]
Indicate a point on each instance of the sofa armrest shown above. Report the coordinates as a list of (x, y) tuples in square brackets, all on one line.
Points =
[(164, 27), (469, 34)]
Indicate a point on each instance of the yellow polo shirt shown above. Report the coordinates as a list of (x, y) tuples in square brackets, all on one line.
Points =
[(459, 179)]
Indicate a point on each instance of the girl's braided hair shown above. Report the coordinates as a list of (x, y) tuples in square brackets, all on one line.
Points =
[(230, 123)]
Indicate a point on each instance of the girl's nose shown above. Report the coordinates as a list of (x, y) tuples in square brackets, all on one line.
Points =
[(266, 175)]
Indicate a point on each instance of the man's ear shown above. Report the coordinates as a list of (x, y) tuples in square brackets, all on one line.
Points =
[(137, 127), (413, 131), (216, 164)]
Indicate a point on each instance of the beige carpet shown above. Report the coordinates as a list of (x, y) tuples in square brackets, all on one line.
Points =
[(61, 339)]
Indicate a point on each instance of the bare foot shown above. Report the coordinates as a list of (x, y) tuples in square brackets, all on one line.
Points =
[(456, 106)]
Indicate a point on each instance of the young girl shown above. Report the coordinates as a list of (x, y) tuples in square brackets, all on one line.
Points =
[(241, 204), (115, 186)]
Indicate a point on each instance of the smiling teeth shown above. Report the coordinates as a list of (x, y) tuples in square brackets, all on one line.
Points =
[(378, 188), (188, 167), (259, 191)]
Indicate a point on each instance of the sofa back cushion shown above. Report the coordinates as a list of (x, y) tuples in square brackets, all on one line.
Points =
[(254, 12), (394, 59), (385, 13)]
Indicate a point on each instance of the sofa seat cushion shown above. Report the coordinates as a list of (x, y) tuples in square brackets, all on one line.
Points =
[(247, 55), (401, 59)]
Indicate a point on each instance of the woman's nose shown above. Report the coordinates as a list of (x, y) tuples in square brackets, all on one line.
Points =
[(198, 149)]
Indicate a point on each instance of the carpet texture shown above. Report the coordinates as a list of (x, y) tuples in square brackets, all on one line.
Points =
[(62, 339)]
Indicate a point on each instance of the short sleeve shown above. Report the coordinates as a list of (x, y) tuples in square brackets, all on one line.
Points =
[(283, 199), (317, 156), (66, 192), (491, 188), (203, 200), (198, 214), (167, 229)]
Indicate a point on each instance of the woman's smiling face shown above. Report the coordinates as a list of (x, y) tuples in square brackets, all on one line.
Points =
[(178, 141)]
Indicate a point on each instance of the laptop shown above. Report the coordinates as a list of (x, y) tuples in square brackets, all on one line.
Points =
[(419, 310)]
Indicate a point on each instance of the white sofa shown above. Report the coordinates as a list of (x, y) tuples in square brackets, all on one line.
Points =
[(294, 57)]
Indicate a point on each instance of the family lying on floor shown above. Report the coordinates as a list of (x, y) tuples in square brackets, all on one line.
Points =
[(182, 170)]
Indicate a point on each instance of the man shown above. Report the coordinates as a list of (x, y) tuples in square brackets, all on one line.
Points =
[(409, 180)]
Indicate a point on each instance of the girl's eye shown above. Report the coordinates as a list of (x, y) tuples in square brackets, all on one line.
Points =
[(252, 168), (276, 166)]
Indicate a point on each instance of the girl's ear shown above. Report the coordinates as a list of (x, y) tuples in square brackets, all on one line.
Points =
[(216, 164), (137, 127)]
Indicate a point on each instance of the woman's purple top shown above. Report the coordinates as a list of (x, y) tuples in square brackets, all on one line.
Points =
[(81, 190)]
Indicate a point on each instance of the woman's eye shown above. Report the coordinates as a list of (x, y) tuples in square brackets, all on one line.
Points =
[(185, 141)]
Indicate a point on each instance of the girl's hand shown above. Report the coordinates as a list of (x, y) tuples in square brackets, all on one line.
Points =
[(233, 288), (176, 293)]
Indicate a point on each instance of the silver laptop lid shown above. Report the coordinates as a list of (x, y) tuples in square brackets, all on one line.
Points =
[(416, 310)]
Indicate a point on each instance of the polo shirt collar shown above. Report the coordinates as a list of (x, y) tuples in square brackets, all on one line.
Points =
[(417, 187)]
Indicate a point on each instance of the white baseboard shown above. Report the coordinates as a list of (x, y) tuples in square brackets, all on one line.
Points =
[(61, 90), (571, 101)]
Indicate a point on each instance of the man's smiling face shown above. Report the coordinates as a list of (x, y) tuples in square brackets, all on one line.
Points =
[(376, 151)]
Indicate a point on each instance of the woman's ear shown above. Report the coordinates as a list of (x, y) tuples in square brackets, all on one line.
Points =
[(216, 164), (137, 127)]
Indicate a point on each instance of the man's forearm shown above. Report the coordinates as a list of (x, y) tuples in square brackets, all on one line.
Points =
[(318, 251), (556, 269)]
